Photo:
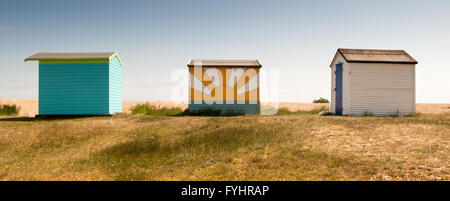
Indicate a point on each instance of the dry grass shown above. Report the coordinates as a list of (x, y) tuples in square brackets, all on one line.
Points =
[(29, 108), (288, 147)]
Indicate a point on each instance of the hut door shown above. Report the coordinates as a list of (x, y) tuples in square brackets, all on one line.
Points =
[(338, 89)]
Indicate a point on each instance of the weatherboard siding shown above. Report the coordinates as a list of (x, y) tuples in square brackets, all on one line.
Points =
[(115, 86), (346, 89), (73, 88), (382, 89)]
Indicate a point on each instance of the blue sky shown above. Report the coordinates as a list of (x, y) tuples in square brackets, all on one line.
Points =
[(154, 38)]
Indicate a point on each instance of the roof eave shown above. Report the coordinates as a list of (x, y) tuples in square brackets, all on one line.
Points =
[(225, 65), (116, 55), (334, 58), (389, 62), (231, 66), (55, 59)]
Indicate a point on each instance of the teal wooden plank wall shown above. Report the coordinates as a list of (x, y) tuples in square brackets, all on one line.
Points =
[(80, 88), (115, 86)]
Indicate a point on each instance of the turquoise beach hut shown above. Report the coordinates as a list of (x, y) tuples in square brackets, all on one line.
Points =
[(79, 83)]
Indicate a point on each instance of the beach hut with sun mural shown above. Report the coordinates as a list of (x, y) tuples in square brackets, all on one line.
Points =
[(73, 84), (228, 86)]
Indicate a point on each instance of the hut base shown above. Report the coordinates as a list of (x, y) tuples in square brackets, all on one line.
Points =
[(71, 116)]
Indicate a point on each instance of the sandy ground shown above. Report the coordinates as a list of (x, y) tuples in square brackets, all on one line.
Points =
[(30, 107)]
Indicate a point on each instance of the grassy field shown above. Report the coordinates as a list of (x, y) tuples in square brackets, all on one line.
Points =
[(298, 146), (30, 107)]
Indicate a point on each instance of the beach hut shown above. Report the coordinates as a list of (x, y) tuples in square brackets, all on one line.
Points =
[(79, 83), (228, 86), (373, 82)]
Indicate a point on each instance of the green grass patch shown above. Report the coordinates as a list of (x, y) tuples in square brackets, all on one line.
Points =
[(321, 100), (285, 111), (147, 109), (161, 151), (152, 110), (9, 110)]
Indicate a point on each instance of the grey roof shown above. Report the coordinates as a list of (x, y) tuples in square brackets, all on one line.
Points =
[(224, 63), (70, 55), (376, 56)]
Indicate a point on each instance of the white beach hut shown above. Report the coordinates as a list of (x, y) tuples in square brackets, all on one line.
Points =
[(373, 82)]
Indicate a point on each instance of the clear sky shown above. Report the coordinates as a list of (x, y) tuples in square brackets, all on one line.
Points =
[(154, 38)]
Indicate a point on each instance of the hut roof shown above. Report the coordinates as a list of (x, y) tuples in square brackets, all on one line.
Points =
[(223, 63), (376, 56), (72, 56)]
